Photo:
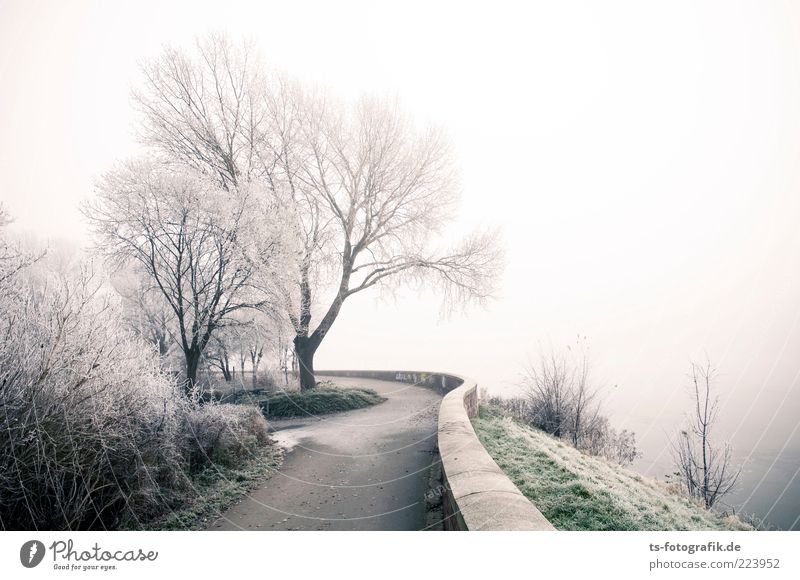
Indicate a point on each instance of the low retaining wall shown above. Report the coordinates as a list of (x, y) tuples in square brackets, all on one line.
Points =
[(477, 494), (441, 382)]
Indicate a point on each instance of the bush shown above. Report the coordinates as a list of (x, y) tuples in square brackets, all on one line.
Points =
[(597, 438), (92, 434), (319, 401), (223, 434)]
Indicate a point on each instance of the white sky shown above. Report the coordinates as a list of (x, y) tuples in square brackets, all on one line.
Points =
[(641, 157)]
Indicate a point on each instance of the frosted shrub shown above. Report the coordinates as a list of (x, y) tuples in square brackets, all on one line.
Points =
[(224, 434), (597, 437), (92, 434)]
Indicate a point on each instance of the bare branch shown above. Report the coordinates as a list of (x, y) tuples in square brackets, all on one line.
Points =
[(704, 471)]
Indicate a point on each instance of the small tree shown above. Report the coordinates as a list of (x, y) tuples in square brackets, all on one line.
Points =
[(219, 356), (562, 401), (561, 398), (247, 338), (583, 410), (704, 470), (194, 240), (549, 392)]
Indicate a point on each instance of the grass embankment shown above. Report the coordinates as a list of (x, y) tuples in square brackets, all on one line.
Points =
[(218, 487), (575, 491), (326, 398)]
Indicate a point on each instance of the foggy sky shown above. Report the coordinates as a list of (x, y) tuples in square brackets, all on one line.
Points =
[(642, 162)]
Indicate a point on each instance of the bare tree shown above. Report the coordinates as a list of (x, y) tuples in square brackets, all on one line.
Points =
[(205, 110), (583, 410), (600, 438), (549, 388), (247, 338), (218, 356), (256, 352), (244, 340), (144, 309), (705, 470), (368, 191), (380, 190), (561, 400), (13, 259), (263, 336), (193, 239), (286, 355)]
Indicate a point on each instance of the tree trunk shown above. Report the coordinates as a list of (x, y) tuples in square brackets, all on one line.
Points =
[(163, 347), (304, 349), (226, 369), (192, 364)]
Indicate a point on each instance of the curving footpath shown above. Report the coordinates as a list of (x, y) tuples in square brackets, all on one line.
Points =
[(370, 469), (366, 469)]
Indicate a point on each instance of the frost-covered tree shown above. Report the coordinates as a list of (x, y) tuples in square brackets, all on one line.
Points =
[(372, 193), (13, 259), (369, 192), (145, 310), (203, 247)]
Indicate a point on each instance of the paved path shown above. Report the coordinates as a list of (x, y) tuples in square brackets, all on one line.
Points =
[(360, 470)]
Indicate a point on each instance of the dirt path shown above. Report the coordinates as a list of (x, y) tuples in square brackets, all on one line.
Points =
[(361, 470)]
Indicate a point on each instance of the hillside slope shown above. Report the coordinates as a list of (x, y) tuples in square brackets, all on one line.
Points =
[(576, 491)]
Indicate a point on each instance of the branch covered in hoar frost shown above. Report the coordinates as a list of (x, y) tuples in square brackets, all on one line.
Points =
[(360, 186), (201, 245)]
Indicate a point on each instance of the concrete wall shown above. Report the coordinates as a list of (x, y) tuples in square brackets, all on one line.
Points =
[(477, 494), (441, 382)]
